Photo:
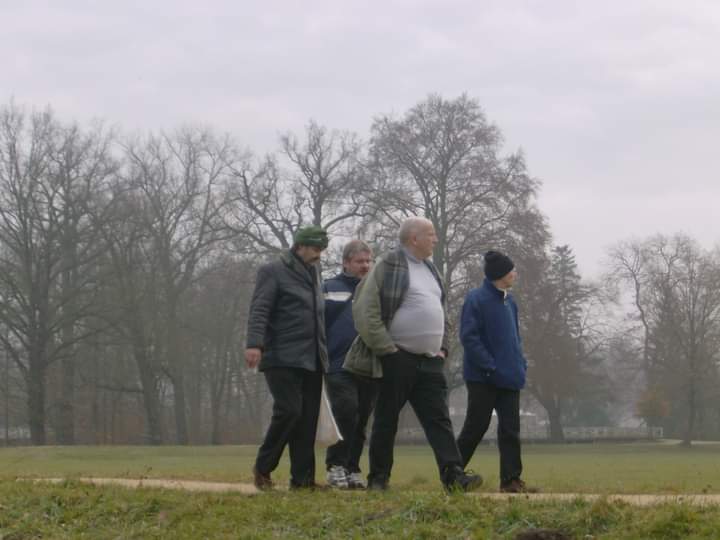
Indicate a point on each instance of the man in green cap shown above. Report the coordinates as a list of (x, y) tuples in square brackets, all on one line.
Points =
[(286, 339)]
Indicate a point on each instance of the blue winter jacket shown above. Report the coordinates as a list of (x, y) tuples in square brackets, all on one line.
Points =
[(490, 335), (339, 325)]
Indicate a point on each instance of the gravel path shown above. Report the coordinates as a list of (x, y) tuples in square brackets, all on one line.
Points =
[(249, 489)]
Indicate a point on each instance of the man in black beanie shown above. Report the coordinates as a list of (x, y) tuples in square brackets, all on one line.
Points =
[(494, 368), (286, 339)]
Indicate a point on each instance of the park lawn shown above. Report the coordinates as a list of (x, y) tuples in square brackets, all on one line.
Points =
[(74, 510), (580, 468), (415, 507)]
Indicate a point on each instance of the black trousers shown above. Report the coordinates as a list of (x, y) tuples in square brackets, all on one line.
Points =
[(352, 399), (419, 380), (482, 399), (296, 404)]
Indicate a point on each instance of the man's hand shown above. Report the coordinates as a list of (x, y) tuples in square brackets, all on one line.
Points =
[(442, 354), (252, 357), (395, 350)]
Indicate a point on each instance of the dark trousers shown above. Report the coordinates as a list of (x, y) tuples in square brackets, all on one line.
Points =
[(419, 380), (296, 404), (482, 399), (352, 399)]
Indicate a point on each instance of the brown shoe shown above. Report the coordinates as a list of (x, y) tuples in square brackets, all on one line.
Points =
[(517, 486), (261, 481)]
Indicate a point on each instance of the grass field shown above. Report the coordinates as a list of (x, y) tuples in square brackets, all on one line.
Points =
[(415, 507), (579, 468)]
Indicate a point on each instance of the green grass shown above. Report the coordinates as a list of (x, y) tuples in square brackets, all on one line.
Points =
[(584, 468), (73, 510), (415, 507)]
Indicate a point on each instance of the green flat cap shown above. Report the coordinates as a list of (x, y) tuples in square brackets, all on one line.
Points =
[(311, 235)]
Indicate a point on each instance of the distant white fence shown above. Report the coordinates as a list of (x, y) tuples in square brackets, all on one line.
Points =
[(15, 433), (542, 433), (596, 433)]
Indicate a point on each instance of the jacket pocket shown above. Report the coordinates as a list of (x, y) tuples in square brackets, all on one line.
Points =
[(360, 360)]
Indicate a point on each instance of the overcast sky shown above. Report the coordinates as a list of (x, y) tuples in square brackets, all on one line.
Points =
[(616, 103)]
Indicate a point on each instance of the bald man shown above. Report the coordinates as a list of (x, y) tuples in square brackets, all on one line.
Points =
[(399, 313)]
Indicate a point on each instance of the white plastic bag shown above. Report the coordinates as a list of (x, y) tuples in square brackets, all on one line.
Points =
[(327, 430)]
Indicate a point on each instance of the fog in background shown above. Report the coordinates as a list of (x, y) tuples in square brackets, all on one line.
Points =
[(615, 104), (152, 155)]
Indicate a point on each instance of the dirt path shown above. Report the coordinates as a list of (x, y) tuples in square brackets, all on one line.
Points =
[(249, 489), (162, 483)]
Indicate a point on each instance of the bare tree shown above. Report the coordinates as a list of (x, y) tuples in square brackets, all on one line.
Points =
[(49, 176), (319, 178), (628, 263), (324, 182), (131, 291), (218, 310), (676, 291), (442, 160), (81, 167), (179, 181)]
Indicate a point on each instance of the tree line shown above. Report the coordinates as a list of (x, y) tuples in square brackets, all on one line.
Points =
[(127, 262)]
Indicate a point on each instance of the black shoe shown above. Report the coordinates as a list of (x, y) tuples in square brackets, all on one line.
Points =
[(455, 479), (311, 486), (377, 484)]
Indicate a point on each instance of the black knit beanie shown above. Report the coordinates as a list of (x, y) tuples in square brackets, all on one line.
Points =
[(497, 265)]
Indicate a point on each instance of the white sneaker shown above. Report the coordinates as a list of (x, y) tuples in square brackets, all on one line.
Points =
[(336, 477), (355, 481)]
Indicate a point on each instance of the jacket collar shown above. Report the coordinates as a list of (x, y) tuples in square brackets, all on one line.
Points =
[(347, 278), (409, 256), (295, 263), (400, 258), (501, 294)]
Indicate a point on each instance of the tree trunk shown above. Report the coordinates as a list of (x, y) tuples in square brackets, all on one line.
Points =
[(215, 438), (66, 417), (194, 404), (217, 386), (151, 402), (179, 401), (99, 436), (7, 398), (556, 428), (216, 398), (36, 404), (176, 367), (692, 414)]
